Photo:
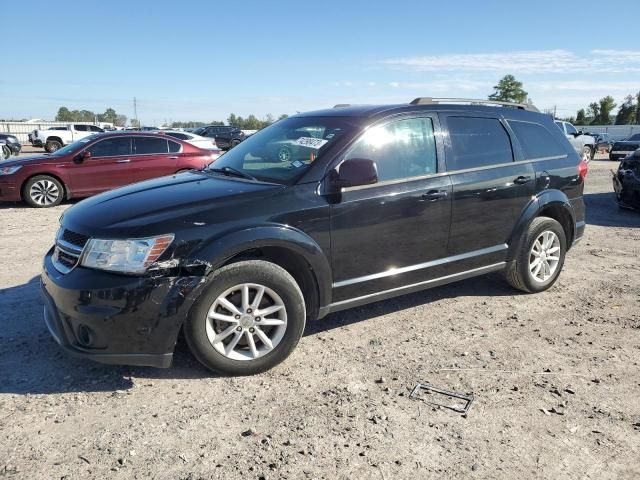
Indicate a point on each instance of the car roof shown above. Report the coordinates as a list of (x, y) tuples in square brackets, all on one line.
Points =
[(371, 112)]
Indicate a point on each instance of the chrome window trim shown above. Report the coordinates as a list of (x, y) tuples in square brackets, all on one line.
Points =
[(452, 172), (487, 269), (420, 266)]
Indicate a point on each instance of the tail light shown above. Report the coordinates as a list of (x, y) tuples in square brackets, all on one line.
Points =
[(583, 169)]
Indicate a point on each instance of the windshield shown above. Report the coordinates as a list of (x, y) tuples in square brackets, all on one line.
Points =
[(283, 151), (77, 145)]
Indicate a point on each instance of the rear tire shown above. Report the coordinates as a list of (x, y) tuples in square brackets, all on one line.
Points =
[(523, 272), (6, 152), (221, 317), (43, 191), (587, 153), (52, 145)]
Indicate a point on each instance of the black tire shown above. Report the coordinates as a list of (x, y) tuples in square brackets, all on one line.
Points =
[(259, 272), (53, 184), (52, 145), (587, 152), (234, 143), (518, 273), (6, 152)]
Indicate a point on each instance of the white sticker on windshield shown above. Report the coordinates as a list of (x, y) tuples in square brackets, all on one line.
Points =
[(311, 142)]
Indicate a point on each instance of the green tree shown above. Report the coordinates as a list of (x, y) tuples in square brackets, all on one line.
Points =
[(64, 115), (109, 116), (593, 113), (581, 117), (607, 104), (637, 108), (626, 114), (120, 121), (509, 89)]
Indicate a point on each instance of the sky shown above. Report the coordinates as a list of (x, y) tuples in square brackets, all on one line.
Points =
[(202, 60)]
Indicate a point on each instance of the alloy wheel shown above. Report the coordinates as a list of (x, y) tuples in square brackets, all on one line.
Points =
[(544, 256), (586, 154), (246, 322), (44, 192)]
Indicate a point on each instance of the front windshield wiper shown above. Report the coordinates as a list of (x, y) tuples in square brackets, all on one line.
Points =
[(233, 171)]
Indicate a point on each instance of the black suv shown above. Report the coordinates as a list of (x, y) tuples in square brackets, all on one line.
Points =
[(226, 137), (374, 202)]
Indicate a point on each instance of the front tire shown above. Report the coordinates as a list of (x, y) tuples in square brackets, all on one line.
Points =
[(587, 153), (43, 191), (540, 257), (6, 152), (249, 319)]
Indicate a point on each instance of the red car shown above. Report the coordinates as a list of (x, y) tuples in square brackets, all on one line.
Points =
[(95, 164)]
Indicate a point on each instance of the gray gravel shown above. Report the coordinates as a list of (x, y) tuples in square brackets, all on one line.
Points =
[(555, 376)]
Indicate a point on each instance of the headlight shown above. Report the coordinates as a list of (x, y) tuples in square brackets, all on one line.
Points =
[(10, 170), (125, 256)]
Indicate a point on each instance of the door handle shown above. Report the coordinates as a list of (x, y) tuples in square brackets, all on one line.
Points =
[(434, 195), (173, 158), (522, 179), (124, 160)]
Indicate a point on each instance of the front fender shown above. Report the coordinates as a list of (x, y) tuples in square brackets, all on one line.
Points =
[(221, 249), (541, 201)]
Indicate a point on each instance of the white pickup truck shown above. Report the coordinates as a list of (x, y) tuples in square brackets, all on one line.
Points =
[(585, 145), (57, 137)]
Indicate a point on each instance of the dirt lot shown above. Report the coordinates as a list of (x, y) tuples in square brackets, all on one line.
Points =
[(555, 375)]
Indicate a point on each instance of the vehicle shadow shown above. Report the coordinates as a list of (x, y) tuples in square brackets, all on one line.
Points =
[(32, 363), (603, 210)]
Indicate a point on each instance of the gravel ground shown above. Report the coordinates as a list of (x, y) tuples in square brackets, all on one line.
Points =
[(555, 376)]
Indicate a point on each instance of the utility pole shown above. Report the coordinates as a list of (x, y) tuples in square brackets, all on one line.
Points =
[(135, 111)]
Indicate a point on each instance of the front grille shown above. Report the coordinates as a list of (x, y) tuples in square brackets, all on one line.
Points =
[(74, 238), (69, 247)]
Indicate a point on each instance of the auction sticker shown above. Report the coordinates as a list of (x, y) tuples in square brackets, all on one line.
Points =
[(311, 142)]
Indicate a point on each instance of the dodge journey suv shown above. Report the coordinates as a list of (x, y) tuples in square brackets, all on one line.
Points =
[(374, 201)]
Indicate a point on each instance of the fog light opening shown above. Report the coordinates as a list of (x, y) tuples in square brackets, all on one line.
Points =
[(85, 336)]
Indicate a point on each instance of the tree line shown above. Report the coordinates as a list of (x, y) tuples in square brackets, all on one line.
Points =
[(109, 116), (249, 123), (509, 89)]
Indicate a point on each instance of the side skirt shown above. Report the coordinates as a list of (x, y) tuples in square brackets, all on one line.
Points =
[(415, 287)]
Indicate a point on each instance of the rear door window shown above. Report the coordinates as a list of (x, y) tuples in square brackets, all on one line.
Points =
[(111, 147), (81, 128), (536, 141), (150, 145), (477, 142), (174, 147)]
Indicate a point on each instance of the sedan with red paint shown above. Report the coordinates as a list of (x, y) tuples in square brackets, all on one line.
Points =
[(96, 164)]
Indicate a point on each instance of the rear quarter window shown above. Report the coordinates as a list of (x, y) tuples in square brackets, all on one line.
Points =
[(477, 142), (536, 141)]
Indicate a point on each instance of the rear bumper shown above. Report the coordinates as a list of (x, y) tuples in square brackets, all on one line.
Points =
[(116, 319)]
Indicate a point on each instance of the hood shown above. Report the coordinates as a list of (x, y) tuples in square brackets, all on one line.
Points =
[(628, 143), (167, 202), (28, 160)]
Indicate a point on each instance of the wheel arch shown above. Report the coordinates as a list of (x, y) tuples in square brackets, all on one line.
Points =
[(53, 137), (285, 246), (550, 203)]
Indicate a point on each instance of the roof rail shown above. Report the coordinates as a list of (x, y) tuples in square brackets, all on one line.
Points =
[(342, 105), (473, 101)]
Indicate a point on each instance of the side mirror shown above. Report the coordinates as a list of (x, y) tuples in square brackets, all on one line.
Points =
[(355, 172), (82, 156)]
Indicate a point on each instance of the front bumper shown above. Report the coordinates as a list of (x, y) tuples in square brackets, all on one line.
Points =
[(9, 190), (36, 142), (116, 319), (15, 148)]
